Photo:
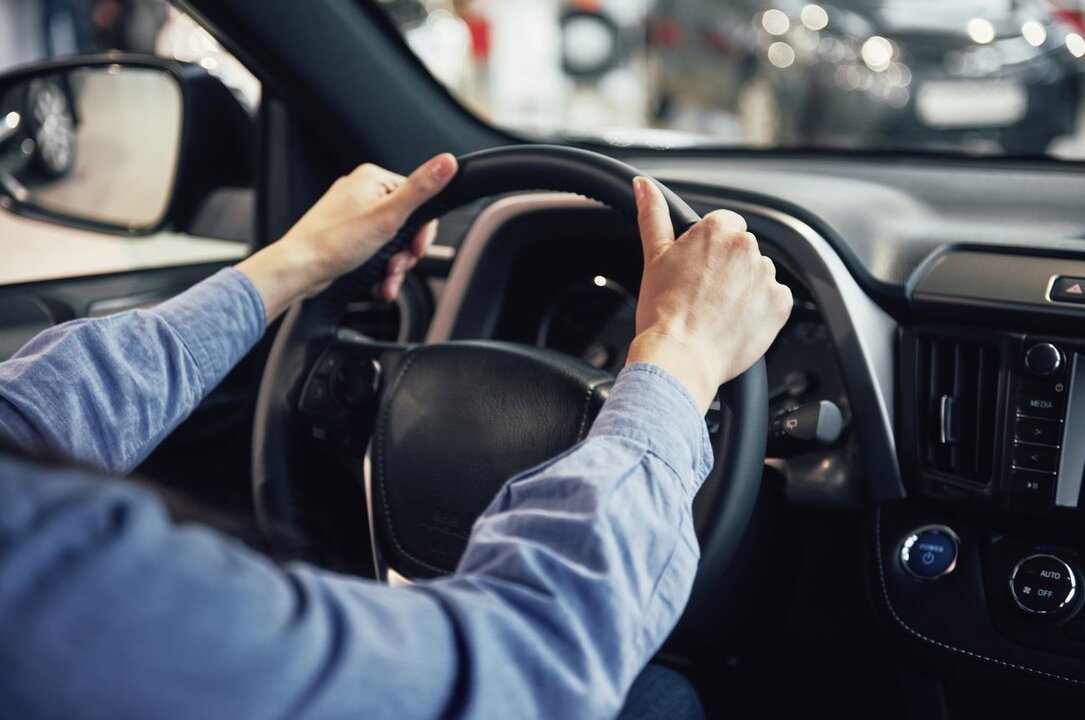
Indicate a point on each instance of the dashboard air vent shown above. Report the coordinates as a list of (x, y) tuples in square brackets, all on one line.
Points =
[(958, 396)]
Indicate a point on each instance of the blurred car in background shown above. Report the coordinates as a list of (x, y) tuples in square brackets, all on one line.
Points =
[(917, 74)]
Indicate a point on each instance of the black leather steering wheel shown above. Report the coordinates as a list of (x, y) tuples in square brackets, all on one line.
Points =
[(445, 425)]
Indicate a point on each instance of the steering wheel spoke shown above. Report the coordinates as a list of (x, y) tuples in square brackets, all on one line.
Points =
[(340, 397)]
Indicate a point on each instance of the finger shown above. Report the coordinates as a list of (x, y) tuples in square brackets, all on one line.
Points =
[(426, 181), (424, 238), (391, 286), (401, 262), (724, 224), (653, 217)]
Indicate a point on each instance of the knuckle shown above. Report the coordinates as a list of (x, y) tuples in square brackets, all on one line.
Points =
[(739, 242), (727, 220), (784, 298), (769, 266)]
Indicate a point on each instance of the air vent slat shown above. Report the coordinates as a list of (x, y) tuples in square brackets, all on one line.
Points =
[(959, 385)]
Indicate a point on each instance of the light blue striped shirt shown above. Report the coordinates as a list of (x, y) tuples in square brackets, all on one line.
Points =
[(110, 610)]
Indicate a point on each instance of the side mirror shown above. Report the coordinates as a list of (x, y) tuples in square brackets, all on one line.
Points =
[(123, 144)]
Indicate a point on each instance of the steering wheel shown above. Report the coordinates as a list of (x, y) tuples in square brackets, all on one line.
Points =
[(441, 427)]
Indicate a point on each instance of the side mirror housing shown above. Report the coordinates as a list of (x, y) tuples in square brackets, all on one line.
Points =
[(125, 144)]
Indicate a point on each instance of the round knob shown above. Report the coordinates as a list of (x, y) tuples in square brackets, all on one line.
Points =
[(1043, 585), (1043, 359), (930, 552)]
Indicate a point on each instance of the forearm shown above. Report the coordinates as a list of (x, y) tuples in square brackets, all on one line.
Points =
[(584, 564), (105, 391), (570, 583)]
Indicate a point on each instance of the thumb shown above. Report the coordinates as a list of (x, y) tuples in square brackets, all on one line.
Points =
[(653, 217), (427, 180)]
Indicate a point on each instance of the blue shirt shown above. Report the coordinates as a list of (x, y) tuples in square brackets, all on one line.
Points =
[(571, 581)]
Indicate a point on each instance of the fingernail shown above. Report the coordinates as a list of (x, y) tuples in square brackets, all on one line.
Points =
[(638, 188), (397, 265), (442, 167)]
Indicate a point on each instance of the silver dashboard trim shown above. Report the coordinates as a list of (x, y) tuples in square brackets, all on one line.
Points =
[(1072, 462), (875, 329), (475, 243)]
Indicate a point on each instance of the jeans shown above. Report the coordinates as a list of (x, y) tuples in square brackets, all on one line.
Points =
[(660, 693)]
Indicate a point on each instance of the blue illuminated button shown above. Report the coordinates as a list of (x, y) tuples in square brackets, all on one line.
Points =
[(929, 552)]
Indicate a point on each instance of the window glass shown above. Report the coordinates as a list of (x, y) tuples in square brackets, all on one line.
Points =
[(985, 77)]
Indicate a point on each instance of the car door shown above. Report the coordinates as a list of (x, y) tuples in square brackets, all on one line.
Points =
[(61, 261)]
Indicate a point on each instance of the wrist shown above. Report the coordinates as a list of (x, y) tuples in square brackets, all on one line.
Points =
[(681, 360), (282, 273)]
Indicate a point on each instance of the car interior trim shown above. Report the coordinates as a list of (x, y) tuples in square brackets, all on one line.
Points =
[(875, 330), (938, 643), (997, 277), (1072, 463), (384, 573)]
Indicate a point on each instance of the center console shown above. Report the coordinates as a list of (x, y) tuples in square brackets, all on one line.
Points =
[(985, 560)]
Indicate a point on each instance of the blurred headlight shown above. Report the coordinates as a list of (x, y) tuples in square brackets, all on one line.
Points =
[(775, 22), (1034, 33), (877, 53), (1075, 44), (814, 17), (981, 31)]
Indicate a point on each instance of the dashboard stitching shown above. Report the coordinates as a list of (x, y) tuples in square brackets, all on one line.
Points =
[(380, 471), (917, 634)]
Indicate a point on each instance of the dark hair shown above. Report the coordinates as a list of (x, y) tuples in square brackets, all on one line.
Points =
[(182, 508)]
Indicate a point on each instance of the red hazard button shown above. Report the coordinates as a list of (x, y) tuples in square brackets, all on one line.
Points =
[(1068, 289)]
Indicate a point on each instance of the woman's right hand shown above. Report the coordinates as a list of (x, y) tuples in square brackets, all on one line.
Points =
[(709, 303)]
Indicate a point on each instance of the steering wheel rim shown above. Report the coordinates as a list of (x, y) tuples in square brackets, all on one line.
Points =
[(311, 325)]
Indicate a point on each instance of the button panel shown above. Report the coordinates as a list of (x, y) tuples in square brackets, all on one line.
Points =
[(1036, 427)]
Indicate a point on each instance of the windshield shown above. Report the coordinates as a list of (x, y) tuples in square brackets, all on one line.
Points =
[(983, 77)]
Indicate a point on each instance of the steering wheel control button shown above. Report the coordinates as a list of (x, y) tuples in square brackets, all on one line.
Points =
[(317, 398), (356, 382), (1032, 484), (1043, 585), (329, 362), (930, 552), (1045, 432), (1043, 359), (1068, 290), (1039, 406)]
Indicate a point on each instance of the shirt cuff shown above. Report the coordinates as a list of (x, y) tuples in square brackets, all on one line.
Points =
[(218, 320), (648, 405)]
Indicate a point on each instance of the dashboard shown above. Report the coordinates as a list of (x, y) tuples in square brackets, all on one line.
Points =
[(945, 325)]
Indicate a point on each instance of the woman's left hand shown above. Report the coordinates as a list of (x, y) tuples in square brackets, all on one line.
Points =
[(347, 226)]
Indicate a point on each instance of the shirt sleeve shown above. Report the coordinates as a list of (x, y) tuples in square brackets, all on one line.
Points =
[(571, 581), (105, 391)]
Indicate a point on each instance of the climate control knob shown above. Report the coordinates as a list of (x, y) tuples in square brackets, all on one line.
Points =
[(1043, 359), (1043, 585)]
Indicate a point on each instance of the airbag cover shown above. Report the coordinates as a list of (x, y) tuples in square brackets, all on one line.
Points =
[(458, 420)]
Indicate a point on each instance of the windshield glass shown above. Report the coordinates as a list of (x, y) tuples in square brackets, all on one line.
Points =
[(984, 77)]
